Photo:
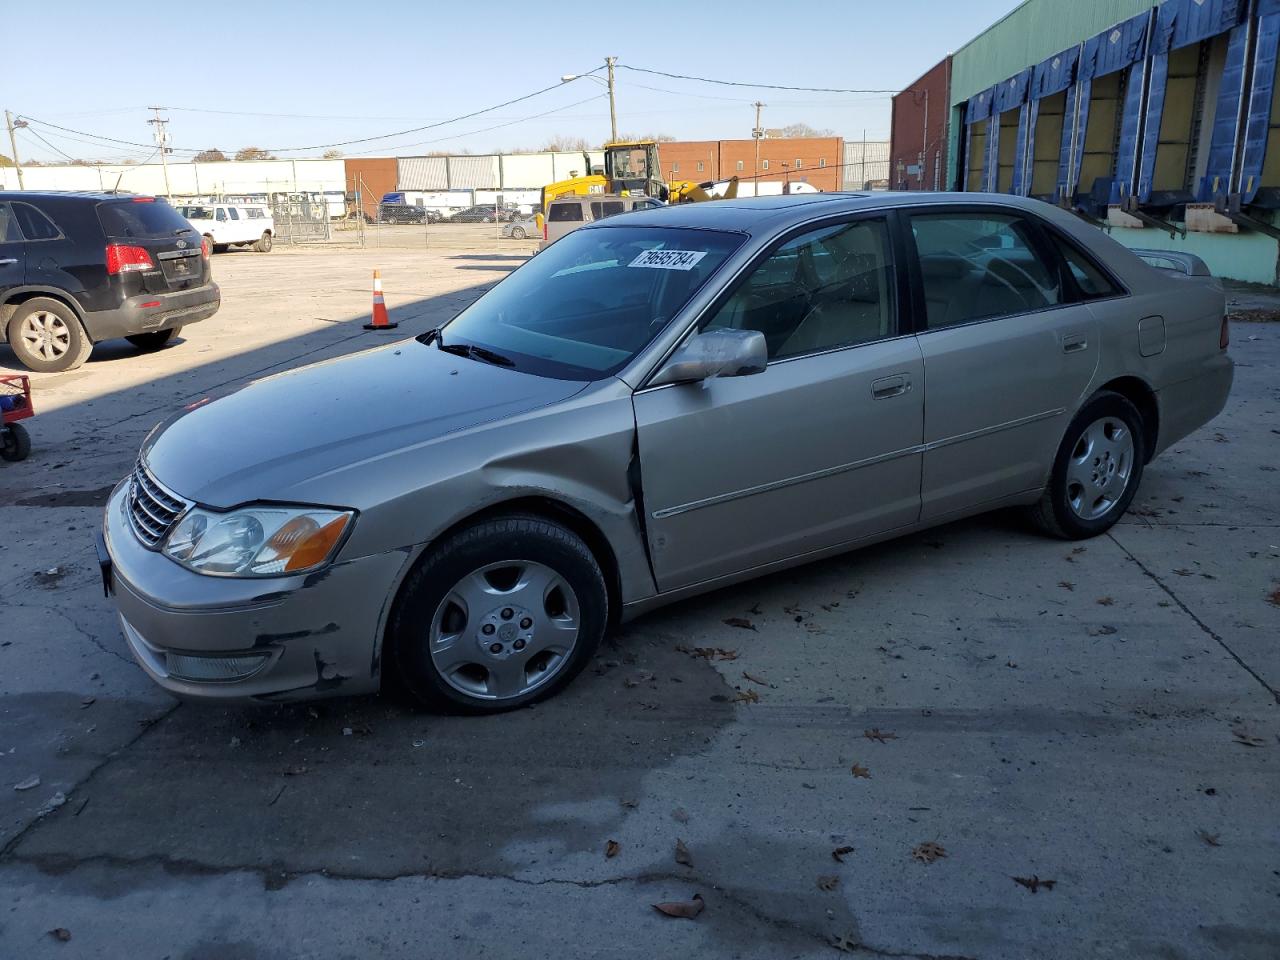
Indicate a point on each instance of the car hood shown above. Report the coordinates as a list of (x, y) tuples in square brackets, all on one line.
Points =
[(270, 439)]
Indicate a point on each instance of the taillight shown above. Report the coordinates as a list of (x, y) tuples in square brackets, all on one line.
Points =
[(205, 248), (122, 258), (544, 231), (1224, 337)]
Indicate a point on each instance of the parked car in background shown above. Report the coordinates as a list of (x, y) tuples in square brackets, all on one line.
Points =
[(479, 214), (232, 225), (567, 214), (402, 213), (80, 268), (520, 228), (656, 405)]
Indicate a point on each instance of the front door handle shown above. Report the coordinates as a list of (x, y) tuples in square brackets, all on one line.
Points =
[(1074, 342), (887, 387), (8, 260)]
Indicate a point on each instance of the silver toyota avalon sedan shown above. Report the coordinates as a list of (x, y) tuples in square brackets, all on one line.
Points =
[(657, 405)]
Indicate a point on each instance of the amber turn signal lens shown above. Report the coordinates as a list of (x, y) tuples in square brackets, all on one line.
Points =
[(305, 542)]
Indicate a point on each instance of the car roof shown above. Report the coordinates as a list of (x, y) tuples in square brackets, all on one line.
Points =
[(98, 195)]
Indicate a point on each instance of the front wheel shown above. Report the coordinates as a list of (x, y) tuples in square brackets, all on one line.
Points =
[(15, 443), (1096, 472), (500, 615), (263, 244), (517, 233)]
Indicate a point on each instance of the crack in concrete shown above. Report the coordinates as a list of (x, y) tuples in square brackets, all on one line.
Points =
[(1198, 622)]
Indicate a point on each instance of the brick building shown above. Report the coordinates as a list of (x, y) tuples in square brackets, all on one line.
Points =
[(918, 149), (813, 160)]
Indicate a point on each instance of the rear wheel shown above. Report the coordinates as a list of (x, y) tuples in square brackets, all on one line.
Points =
[(15, 443), (147, 342), (263, 244), (517, 233), (209, 240), (1096, 472), (500, 615), (48, 337)]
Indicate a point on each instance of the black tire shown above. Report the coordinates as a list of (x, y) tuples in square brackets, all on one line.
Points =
[(1055, 514), (517, 538), (213, 247), (147, 342), (70, 346), (517, 233), (15, 443), (263, 244)]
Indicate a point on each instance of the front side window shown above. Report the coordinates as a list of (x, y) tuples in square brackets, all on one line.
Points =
[(222, 214), (35, 225), (586, 305), (979, 266), (233, 213), (828, 288)]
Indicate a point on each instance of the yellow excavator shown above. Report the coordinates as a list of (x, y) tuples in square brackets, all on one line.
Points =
[(631, 169)]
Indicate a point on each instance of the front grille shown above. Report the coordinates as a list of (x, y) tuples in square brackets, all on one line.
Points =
[(152, 509)]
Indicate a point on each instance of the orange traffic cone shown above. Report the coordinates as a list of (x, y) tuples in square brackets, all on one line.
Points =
[(380, 321)]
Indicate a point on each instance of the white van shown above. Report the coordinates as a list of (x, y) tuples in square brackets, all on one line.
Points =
[(232, 224)]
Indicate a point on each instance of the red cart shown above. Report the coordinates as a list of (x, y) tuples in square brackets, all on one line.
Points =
[(15, 405)]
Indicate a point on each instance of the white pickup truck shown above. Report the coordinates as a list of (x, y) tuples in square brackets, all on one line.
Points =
[(232, 224)]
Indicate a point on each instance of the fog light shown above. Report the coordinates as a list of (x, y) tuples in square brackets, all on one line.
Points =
[(212, 669)]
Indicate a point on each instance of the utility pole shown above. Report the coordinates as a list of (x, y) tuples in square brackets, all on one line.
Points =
[(13, 143), (613, 109), (757, 132), (162, 138)]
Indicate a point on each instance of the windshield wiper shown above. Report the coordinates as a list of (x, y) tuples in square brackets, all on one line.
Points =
[(476, 353), (430, 335)]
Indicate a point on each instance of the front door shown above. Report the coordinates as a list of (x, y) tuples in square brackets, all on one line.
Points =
[(821, 449), (1009, 351), (12, 251)]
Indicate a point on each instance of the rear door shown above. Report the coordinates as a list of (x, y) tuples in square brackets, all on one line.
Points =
[(1009, 351), (169, 239), (13, 258)]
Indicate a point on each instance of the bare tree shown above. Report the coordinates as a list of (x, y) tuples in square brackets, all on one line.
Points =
[(253, 153), (212, 155), (5, 161), (656, 137), (804, 130), (333, 154), (562, 143)]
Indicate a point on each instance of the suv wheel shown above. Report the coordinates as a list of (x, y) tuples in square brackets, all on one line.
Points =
[(517, 233), (1096, 472), (264, 243), (498, 616), (147, 342), (47, 336)]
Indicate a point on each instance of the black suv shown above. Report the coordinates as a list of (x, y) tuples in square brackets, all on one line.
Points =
[(402, 213), (79, 268)]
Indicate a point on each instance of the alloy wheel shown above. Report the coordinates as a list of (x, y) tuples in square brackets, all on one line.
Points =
[(1099, 468), (46, 335)]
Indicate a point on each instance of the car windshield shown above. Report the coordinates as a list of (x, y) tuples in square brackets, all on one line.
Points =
[(585, 306)]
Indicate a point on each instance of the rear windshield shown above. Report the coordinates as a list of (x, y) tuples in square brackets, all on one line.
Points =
[(141, 219), (586, 305), (564, 212)]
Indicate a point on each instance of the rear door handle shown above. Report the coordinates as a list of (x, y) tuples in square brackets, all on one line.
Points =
[(1074, 342), (887, 387)]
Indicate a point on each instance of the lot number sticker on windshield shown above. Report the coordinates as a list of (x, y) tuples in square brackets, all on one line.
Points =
[(669, 259)]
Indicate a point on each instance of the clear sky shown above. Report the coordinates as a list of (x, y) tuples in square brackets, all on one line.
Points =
[(279, 74)]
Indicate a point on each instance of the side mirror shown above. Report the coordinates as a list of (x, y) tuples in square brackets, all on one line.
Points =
[(716, 353)]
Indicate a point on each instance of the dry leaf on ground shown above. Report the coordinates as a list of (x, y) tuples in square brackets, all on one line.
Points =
[(1103, 631), (754, 679), (683, 909), (611, 849), (679, 815), (61, 934), (682, 854), (1106, 601), (1066, 585), (637, 679), (1274, 597), (1210, 838), (858, 770), (845, 944), (880, 736), (742, 623), (828, 882), (929, 851), (747, 696), (839, 853), (1246, 738), (1034, 883)]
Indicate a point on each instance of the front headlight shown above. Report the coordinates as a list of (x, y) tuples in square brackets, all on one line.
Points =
[(257, 541)]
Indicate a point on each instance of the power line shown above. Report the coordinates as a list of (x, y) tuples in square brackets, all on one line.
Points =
[(758, 86), (48, 144)]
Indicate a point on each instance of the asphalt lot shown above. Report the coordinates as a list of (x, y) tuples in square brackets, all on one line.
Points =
[(1103, 716)]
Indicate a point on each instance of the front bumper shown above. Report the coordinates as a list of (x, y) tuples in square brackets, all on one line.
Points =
[(286, 638), (167, 310)]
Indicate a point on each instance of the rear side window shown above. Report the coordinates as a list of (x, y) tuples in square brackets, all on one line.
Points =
[(35, 225), (608, 208), (979, 266), (1090, 278), (565, 213), (9, 232), (235, 214), (255, 214), (141, 219)]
